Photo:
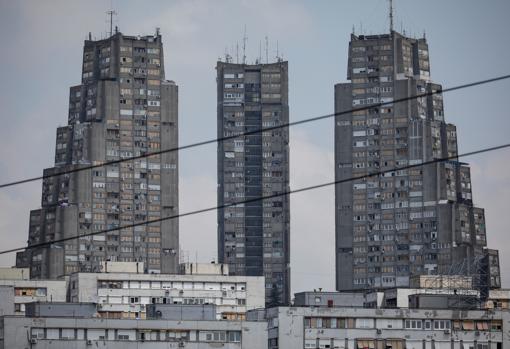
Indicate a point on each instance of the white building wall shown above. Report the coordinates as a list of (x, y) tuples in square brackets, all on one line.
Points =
[(16, 332), (287, 328), (129, 292), (29, 291)]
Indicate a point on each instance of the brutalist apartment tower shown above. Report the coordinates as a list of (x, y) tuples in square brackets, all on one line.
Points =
[(123, 108), (253, 238), (405, 222)]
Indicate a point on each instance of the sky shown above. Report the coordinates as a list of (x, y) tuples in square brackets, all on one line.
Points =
[(41, 58)]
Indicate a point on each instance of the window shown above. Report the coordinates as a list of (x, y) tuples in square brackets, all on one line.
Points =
[(413, 324), (364, 323), (234, 336), (37, 333), (96, 334), (52, 333), (441, 324), (68, 333), (126, 335)]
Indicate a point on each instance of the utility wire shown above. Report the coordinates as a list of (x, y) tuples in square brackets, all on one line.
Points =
[(272, 196), (222, 139)]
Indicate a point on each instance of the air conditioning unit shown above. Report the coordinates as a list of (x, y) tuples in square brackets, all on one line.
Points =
[(89, 341), (379, 331), (33, 341), (181, 344), (447, 331)]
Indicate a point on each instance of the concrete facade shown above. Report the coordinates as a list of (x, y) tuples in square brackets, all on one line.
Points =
[(204, 268), (329, 299), (403, 223), (14, 273), (254, 238), (6, 300), (400, 297), (181, 312), (61, 309), (22, 292), (126, 295), (64, 333), (124, 107), (357, 328)]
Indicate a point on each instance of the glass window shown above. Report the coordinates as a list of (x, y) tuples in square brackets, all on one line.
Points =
[(37, 333), (52, 333), (68, 333), (234, 336)]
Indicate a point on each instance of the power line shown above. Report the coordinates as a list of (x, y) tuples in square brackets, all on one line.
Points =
[(272, 196), (222, 139)]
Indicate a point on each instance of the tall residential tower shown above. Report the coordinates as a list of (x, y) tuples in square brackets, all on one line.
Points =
[(124, 107), (405, 222), (253, 238)]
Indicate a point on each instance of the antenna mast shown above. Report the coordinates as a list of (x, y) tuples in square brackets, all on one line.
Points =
[(260, 51), (111, 13), (245, 39), (267, 49), (391, 16)]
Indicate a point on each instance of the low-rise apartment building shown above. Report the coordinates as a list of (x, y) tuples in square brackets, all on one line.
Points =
[(359, 328), (17, 290), (64, 332), (126, 295)]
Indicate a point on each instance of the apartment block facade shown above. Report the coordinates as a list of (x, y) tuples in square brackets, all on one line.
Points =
[(351, 328), (406, 222), (253, 238), (62, 332), (123, 108), (127, 295)]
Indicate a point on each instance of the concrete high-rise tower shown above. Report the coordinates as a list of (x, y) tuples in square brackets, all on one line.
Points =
[(405, 222), (124, 107), (253, 238)]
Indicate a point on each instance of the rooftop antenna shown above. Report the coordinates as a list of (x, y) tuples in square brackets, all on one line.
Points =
[(226, 54), (267, 49), (277, 51), (260, 51), (111, 13), (237, 52), (245, 39), (391, 16)]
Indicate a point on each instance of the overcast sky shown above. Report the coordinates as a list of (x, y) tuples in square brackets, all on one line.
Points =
[(41, 58)]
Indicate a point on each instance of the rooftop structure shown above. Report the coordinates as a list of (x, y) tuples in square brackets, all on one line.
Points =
[(329, 299)]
